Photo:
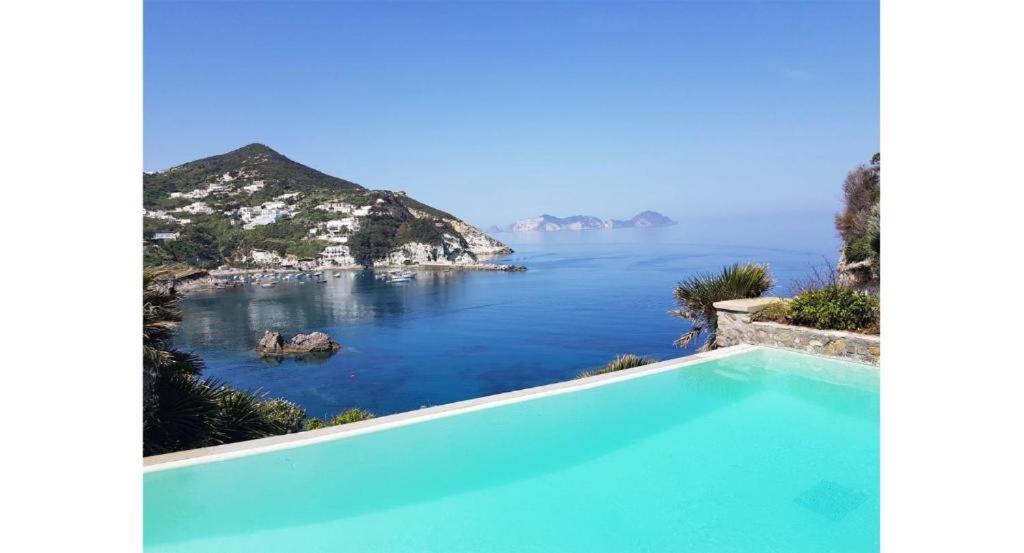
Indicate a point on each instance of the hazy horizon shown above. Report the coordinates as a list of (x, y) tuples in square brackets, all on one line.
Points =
[(501, 111)]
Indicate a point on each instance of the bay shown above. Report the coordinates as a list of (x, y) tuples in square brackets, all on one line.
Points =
[(452, 335)]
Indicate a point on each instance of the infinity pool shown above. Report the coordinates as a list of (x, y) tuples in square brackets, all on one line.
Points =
[(762, 450)]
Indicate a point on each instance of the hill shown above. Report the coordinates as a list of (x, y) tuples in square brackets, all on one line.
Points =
[(549, 223), (255, 207)]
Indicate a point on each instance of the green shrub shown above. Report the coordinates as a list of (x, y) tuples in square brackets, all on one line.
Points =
[(834, 307), (861, 248), (621, 362), (352, 415), (314, 424), (345, 417), (776, 312), (284, 414)]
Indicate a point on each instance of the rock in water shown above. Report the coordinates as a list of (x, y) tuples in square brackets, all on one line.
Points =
[(311, 343), (271, 344), (317, 342)]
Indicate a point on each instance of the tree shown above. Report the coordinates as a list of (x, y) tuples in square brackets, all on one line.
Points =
[(697, 295)]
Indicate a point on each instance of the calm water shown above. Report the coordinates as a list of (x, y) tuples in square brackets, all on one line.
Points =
[(765, 451), (587, 297)]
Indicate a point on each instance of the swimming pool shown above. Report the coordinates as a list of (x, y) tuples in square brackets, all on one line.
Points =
[(750, 449)]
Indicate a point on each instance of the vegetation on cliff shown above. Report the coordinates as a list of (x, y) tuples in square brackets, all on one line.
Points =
[(859, 222), (697, 295)]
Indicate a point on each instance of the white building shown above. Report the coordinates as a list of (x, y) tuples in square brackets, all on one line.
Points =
[(196, 207)]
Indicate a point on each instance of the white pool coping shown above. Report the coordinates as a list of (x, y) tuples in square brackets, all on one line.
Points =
[(211, 454)]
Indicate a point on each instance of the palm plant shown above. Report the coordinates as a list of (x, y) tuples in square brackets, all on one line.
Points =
[(622, 362), (697, 295)]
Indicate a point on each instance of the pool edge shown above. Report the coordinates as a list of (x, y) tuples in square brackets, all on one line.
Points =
[(211, 454)]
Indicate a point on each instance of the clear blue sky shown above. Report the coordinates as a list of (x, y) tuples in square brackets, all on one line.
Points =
[(498, 111)]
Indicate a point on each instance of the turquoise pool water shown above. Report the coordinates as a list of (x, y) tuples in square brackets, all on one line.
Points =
[(760, 451)]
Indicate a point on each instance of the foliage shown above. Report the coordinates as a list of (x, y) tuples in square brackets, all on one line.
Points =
[(375, 238), (211, 240), (196, 245), (285, 415), (862, 247), (696, 297), (284, 237), (315, 424), (152, 225), (345, 417), (622, 362), (244, 415), (351, 415), (835, 307), (859, 222), (179, 412), (777, 312), (425, 231)]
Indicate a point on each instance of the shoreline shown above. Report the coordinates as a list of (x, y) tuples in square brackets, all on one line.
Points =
[(215, 279), (495, 267)]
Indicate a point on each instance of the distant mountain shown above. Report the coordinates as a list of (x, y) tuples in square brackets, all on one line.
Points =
[(254, 206), (645, 219), (549, 223)]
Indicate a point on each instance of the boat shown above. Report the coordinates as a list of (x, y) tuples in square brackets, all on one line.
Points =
[(337, 275), (268, 284)]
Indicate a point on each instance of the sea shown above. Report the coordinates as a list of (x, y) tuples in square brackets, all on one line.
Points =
[(450, 335)]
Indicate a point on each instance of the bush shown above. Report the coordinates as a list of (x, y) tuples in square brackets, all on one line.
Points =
[(776, 312), (835, 308), (314, 424), (345, 417), (860, 249), (352, 415), (284, 414)]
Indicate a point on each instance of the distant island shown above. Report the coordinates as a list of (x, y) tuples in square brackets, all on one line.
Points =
[(255, 208), (549, 223)]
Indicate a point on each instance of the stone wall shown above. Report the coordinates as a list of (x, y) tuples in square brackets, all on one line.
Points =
[(735, 327)]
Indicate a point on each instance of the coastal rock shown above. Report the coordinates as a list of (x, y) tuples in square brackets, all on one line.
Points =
[(272, 343), (311, 343)]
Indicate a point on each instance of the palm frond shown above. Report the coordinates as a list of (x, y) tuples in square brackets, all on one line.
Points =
[(622, 362), (697, 295)]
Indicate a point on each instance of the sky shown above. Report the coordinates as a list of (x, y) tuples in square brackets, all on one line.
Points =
[(496, 111)]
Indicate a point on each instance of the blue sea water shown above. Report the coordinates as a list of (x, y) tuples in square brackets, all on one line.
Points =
[(763, 451), (587, 297)]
